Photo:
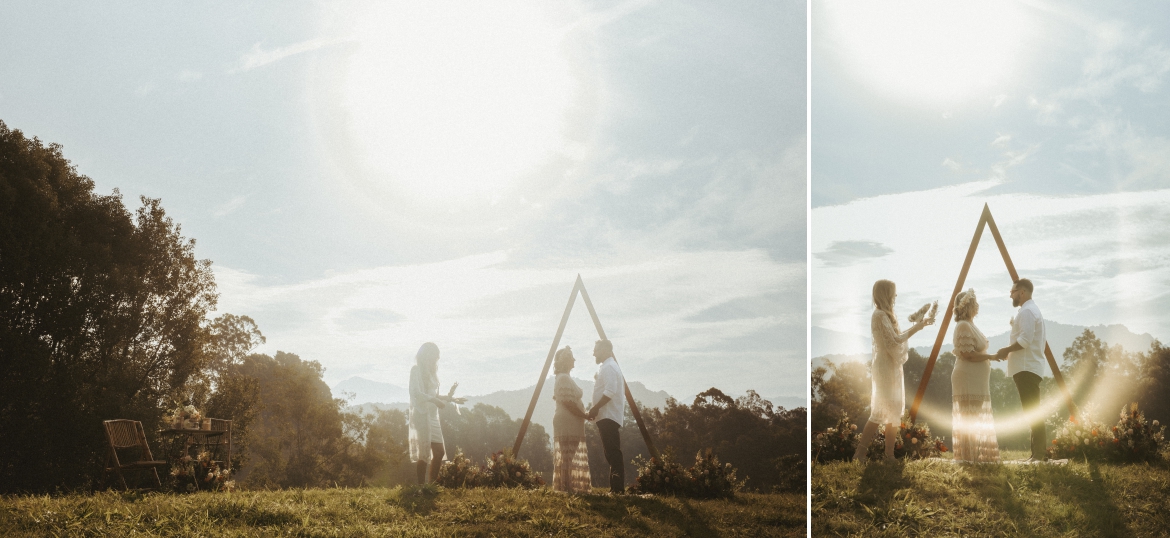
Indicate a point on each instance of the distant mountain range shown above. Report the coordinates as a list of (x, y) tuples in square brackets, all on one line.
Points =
[(370, 395), (843, 347)]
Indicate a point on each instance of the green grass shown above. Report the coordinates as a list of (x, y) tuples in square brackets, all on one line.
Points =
[(940, 498), (398, 511)]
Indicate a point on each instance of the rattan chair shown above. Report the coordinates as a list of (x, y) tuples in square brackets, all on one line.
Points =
[(125, 434)]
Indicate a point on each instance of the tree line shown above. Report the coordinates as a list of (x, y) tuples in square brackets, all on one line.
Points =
[(104, 314)]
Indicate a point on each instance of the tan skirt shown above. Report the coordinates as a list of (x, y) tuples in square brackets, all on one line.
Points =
[(571, 465), (973, 429)]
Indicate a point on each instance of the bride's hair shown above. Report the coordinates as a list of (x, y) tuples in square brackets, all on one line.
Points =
[(883, 299), (965, 305), (561, 360), (427, 360)]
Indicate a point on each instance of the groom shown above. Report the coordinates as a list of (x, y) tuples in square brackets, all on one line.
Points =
[(1025, 358), (609, 405)]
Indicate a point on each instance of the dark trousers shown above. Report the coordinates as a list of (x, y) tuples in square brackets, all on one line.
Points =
[(612, 441), (1029, 386)]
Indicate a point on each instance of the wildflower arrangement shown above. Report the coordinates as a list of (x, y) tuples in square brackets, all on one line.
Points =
[(1085, 439), (837, 443), (183, 417), (502, 470), (201, 469), (1133, 439), (914, 442), (661, 475), (1138, 440), (460, 472), (706, 479)]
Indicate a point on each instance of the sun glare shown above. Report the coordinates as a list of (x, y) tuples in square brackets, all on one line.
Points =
[(454, 101), (928, 50)]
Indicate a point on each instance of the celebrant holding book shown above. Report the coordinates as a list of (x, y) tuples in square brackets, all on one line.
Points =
[(425, 431)]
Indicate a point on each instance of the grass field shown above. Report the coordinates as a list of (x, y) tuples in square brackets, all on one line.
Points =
[(399, 511), (941, 498)]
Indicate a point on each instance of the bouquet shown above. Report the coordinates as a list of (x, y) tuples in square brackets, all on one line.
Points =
[(183, 417), (922, 312)]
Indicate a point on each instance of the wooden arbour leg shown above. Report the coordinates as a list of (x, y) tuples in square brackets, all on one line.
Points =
[(985, 220), (579, 287)]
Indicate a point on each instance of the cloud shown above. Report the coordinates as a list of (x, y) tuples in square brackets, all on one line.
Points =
[(188, 75), (229, 206), (842, 253), (678, 318), (257, 56)]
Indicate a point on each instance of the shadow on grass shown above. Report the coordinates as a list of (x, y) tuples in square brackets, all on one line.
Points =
[(1087, 495), (619, 509), (880, 481)]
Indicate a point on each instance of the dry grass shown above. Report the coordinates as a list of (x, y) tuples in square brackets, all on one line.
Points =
[(940, 498), (398, 512)]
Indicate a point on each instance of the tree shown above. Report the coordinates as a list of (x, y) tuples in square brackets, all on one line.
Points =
[(840, 388), (101, 315), (1154, 382), (302, 438), (747, 432)]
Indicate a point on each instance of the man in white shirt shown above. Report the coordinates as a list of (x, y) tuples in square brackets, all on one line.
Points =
[(609, 405), (1025, 358)]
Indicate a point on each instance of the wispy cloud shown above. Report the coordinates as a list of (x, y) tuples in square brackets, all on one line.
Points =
[(258, 56), (229, 206)]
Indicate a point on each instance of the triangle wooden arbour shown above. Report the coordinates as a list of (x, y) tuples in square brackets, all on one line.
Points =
[(579, 287), (985, 220)]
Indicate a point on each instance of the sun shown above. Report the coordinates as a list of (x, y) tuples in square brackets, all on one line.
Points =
[(454, 102), (938, 51)]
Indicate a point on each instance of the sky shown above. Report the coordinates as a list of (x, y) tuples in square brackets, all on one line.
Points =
[(368, 176), (1052, 114)]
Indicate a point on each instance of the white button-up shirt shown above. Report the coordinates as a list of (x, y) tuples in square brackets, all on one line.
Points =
[(1028, 331), (610, 383)]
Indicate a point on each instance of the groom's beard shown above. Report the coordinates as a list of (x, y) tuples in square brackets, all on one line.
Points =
[(1015, 302)]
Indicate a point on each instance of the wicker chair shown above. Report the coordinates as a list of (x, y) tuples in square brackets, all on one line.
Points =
[(128, 434)]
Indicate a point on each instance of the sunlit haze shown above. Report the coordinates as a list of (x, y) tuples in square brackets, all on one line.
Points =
[(368, 176)]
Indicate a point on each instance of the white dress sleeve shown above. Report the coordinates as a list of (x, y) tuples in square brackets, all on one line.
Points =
[(886, 338)]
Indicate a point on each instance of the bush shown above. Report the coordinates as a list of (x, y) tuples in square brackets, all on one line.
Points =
[(503, 470), (1086, 439), (706, 479)]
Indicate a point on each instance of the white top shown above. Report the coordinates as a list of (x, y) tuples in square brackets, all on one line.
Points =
[(1028, 331), (610, 383)]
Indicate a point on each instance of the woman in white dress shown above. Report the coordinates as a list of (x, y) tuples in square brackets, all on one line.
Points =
[(888, 397), (972, 425), (425, 433), (570, 456)]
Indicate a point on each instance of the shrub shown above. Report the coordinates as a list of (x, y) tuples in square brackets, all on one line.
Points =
[(1131, 440), (914, 442), (706, 479)]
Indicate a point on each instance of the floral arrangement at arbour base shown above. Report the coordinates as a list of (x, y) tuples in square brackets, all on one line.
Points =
[(837, 443), (503, 470), (202, 469), (183, 417), (1133, 439), (706, 479), (914, 442)]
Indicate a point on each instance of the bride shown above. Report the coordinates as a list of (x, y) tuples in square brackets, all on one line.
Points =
[(972, 426)]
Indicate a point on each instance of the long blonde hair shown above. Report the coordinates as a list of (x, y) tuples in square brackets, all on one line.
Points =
[(883, 299), (428, 368)]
